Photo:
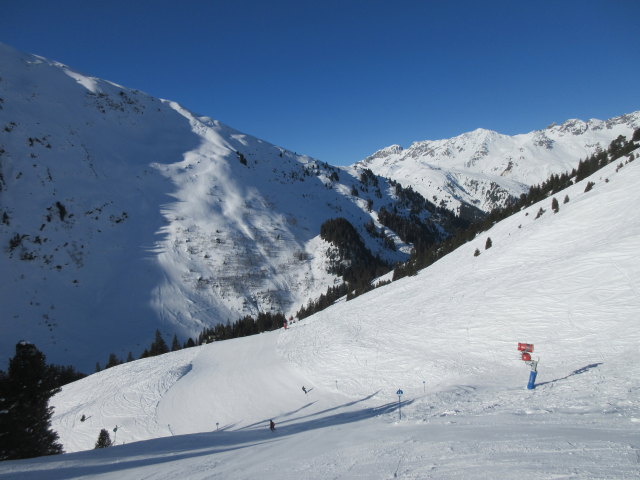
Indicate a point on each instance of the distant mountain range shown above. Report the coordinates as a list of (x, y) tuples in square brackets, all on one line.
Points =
[(121, 213), (485, 168)]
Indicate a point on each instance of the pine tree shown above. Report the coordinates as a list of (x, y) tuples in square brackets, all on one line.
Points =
[(489, 244), (476, 253), (25, 414), (554, 205), (175, 345), (112, 361), (158, 347), (104, 440)]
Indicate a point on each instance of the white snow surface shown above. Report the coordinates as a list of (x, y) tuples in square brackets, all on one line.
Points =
[(568, 282), (485, 168)]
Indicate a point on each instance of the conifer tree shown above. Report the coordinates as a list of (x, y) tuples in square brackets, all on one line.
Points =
[(25, 414), (554, 205), (112, 361), (175, 345), (104, 440), (489, 244), (158, 347)]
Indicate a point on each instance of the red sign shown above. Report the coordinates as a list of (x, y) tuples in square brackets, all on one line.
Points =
[(525, 347)]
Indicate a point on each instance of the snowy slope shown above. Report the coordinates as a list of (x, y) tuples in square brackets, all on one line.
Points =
[(566, 281), (484, 167), (121, 213)]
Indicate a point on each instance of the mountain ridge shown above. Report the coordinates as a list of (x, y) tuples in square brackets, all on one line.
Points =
[(123, 213), (486, 168)]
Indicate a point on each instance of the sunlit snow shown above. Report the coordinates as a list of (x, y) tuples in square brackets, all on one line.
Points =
[(566, 282)]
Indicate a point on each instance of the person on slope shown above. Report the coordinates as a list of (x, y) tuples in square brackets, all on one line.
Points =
[(304, 390), (272, 426)]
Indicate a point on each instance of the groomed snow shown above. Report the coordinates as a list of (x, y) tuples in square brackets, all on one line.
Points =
[(566, 282)]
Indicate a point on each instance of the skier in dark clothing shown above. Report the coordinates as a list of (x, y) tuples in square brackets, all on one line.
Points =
[(304, 390), (272, 426)]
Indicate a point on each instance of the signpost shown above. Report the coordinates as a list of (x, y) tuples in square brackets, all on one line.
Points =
[(399, 393)]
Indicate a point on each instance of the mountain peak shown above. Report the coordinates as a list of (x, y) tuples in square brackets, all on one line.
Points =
[(385, 152), (485, 168), (119, 206)]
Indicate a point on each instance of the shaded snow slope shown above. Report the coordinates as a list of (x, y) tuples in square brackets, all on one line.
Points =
[(121, 213), (566, 282), (485, 168)]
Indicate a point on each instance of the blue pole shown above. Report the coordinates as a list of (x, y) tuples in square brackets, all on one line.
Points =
[(532, 380)]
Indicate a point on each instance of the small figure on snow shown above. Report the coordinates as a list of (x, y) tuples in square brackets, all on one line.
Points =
[(284, 324), (83, 417), (304, 390), (272, 426)]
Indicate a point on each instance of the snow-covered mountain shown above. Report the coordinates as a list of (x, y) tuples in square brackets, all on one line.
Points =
[(485, 168), (566, 282), (121, 213)]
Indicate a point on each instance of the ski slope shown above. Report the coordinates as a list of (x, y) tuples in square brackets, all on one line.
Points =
[(566, 282)]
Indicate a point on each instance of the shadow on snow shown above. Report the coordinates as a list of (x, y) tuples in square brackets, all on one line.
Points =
[(575, 372), (171, 449)]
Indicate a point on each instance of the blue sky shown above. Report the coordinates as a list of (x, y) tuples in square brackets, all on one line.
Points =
[(338, 80)]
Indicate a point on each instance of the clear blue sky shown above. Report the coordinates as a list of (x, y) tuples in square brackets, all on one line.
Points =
[(338, 80)]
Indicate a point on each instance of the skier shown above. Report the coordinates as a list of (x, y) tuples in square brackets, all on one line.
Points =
[(272, 426), (304, 390)]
